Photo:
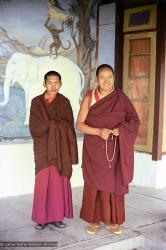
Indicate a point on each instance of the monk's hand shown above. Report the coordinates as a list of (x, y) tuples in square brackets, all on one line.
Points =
[(104, 133), (115, 132)]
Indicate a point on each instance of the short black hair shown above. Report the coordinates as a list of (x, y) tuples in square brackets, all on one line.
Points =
[(103, 66), (52, 73)]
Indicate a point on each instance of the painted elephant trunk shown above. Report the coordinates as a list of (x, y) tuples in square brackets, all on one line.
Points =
[(7, 85)]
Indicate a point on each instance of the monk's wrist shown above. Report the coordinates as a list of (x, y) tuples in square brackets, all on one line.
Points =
[(98, 131)]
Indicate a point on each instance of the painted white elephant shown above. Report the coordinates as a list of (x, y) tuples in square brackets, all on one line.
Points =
[(29, 72)]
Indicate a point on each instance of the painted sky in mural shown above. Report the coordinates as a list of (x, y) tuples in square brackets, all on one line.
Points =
[(26, 33)]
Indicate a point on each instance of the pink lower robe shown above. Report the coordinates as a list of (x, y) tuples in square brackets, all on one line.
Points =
[(52, 197)]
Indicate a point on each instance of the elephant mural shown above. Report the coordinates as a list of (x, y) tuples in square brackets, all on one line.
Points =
[(28, 71)]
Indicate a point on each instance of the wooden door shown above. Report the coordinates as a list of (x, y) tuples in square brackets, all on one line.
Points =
[(139, 82)]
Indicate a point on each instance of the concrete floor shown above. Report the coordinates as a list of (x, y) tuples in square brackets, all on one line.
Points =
[(145, 226)]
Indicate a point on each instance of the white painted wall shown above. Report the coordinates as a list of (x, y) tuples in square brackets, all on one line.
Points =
[(17, 169), (106, 39), (149, 173)]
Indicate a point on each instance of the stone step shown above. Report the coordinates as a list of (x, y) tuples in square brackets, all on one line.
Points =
[(126, 241)]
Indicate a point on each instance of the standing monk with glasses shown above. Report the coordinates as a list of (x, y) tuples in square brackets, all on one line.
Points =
[(110, 124), (55, 150)]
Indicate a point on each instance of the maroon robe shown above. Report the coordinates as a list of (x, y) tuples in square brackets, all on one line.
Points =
[(52, 192), (53, 134), (113, 111)]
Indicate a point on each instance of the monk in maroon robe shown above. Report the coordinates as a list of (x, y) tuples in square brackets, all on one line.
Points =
[(55, 150), (110, 124)]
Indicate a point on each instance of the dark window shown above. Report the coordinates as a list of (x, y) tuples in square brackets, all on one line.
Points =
[(139, 18)]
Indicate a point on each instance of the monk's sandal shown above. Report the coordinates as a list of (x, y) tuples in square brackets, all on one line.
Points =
[(93, 229), (40, 226), (115, 229)]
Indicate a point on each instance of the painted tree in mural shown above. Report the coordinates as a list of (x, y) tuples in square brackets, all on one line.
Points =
[(80, 13)]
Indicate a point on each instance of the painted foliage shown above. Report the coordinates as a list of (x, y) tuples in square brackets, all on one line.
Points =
[(35, 37)]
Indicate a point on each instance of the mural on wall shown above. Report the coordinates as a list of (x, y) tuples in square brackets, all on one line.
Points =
[(35, 37)]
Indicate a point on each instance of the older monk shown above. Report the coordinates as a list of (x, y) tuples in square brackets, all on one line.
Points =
[(110, 124)]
